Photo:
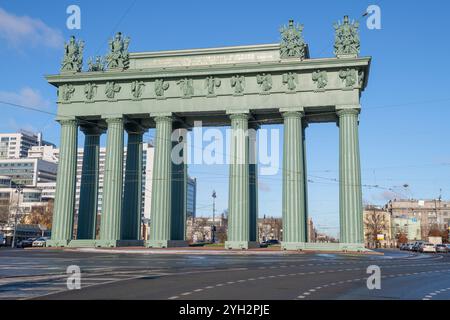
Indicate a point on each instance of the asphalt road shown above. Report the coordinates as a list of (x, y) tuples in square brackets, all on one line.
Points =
[(41, 274)]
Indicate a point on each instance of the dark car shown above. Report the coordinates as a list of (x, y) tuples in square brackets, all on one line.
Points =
[(26, 243), (272, 242)]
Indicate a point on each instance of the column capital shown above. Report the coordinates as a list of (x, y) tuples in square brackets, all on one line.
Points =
[(293, 114), (239, 116), (114, 120), (254, 125), (92, 129), (68, 122), (350, 111), (161, 119), (134, 128)]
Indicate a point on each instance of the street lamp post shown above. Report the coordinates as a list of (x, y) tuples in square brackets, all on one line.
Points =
[(18, 191), (213, 227)]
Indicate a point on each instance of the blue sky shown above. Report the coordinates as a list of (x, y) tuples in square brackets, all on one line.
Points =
[(404, 125)]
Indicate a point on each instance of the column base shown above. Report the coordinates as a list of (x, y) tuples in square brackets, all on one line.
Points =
[(118, 243), (165, 243), (242, 245), (57, 243), (317, 246)]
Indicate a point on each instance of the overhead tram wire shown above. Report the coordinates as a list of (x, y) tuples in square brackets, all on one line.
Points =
[(225, 154)]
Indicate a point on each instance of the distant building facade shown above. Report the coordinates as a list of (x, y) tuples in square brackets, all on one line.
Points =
[(427, 213), (16, 145), (378, 228)]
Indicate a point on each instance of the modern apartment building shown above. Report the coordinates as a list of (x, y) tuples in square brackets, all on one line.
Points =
[(16, 145)]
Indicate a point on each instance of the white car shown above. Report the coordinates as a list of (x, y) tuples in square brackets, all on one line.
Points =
[(40, 242), (427, 247)]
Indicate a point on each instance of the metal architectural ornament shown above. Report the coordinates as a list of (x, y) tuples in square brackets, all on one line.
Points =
[(186, 87), (118, 57), (66, 91), (73, 56), (349, 77), (346, 40), (320, 77), (292, 43), (291, 80), (111, 89), (90, 89), (211, 83), (160, 87), (238, 83), (97, 65), (265, 82), (136, 88)]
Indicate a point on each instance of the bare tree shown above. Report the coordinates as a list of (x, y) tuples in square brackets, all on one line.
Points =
[(40, 215), (375, 224), (4, 210)]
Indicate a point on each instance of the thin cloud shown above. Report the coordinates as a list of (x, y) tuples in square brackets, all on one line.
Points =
[(27, 97), (24, 30)]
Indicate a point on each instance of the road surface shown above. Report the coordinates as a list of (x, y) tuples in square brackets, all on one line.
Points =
[(41, 274)]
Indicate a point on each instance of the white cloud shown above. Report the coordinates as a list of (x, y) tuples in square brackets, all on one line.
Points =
[(26, 30), (25, 97)]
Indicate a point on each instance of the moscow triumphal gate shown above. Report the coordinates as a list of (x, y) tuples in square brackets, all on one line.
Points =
[(241, 86)]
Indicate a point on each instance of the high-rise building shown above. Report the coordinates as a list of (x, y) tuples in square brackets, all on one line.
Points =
[(28, 172), (16, 145), (191, 196)]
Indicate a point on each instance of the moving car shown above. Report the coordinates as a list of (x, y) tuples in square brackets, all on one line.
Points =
[(40, 242), (26, 243), (441, 248), (427, 247)]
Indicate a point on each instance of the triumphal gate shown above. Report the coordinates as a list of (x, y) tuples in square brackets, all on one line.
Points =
[(241, 86)]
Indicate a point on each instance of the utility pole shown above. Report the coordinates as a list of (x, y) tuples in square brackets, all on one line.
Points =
[(19, 191), (213, 227)]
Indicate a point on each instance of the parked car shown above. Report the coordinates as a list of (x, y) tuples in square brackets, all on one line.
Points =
[(441, 248), (417, 245), (26, 243), (272, 242), (427, 247), (40, 242), (409, 246), (403, 246)]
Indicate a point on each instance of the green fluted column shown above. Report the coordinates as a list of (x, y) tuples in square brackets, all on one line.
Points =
[(132, 196), (160, 225), (239, 188), (253, 182), (305, 179), (350, 192), (294, 218), (179, 186), (112, 185), (62, 228), (87, 212)]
